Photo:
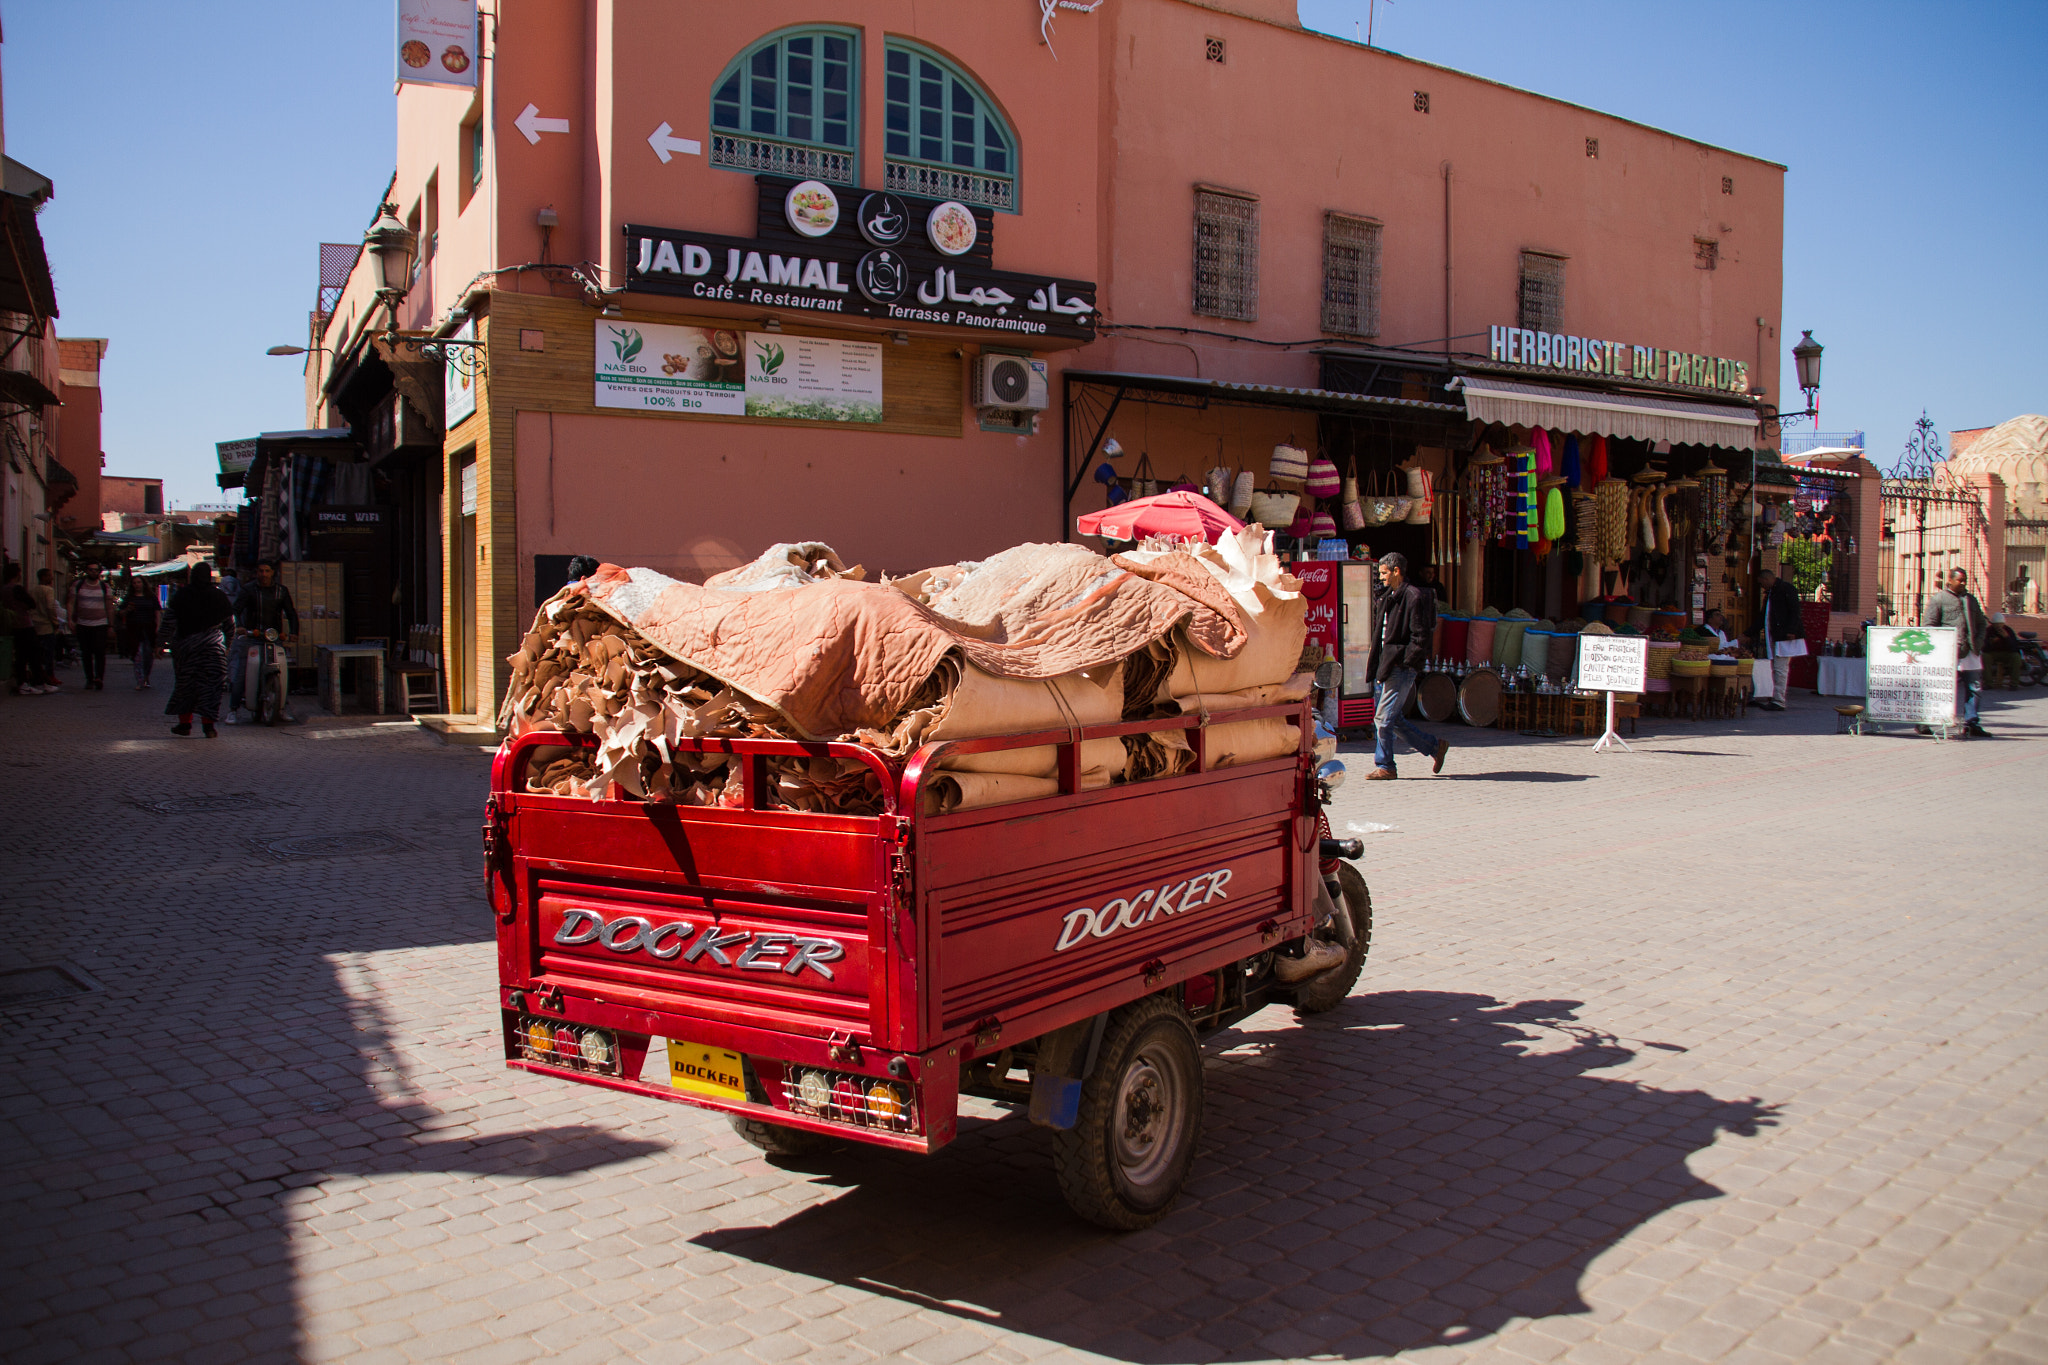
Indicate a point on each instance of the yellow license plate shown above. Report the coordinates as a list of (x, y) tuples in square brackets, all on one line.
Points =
[(702, 1070)]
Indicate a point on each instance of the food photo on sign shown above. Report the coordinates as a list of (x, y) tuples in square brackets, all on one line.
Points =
[(437, 41)]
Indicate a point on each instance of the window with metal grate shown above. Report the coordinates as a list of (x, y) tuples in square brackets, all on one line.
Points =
[(943, 137), (1706, 254), (1542, 300), (787, 106), (1351, 275), (1226, 254)]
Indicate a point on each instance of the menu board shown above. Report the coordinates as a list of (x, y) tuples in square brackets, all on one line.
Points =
[(1613, 663), (659, 368), (1911, 672), (813, 379)]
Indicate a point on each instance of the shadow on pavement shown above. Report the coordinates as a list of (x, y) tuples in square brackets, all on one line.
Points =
[(1414, 1168), (1516, 777), (159, 1138)]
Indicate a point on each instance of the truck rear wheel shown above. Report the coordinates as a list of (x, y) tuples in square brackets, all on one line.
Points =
[(778, 1140), (1328, 990), (1123, 1162)]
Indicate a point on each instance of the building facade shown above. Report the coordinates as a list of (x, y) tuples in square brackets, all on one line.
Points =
[(903, 279)]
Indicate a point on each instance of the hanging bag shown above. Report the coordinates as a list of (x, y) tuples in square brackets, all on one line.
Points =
[(1322, 478), (1421, 496), (1348, 509), (1273, 508), (1289, 468), (1241, 495)]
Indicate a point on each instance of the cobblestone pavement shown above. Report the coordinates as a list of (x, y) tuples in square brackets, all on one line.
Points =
[(1729, 1049)]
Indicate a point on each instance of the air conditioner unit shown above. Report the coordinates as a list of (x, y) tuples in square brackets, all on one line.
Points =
[(1014, 382)]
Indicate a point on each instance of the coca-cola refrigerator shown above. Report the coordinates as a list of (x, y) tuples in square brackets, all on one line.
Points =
[(1340, 618)]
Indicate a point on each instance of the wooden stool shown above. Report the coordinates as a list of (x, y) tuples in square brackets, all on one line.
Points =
[(1687, 696), (1727, 697), (1848, 720)]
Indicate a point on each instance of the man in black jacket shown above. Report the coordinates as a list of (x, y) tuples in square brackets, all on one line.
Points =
[(263, 605), (1406, 614)]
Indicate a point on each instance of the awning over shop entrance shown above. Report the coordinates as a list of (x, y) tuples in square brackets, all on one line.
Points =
[(1610, 414)]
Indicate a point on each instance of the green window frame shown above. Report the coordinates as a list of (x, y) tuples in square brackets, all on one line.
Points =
[(790, 105), (942, 136)]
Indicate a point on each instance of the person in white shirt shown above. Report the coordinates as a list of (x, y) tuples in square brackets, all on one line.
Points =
[(1716, 625)]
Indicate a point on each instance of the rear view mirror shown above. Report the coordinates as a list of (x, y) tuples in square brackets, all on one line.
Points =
[(1328, 674)]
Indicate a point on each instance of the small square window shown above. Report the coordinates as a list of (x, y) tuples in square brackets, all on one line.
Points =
[(1212, 48), (1422, 101), (1592, 149), (1727, 184), (1706, 255)]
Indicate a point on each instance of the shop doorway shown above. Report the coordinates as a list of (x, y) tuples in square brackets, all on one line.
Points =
[(460, 642)]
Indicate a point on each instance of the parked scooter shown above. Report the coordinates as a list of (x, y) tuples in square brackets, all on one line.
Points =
[(2033, 668), (268, 677)]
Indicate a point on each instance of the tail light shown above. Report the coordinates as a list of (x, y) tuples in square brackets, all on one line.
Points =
[(845, 1097), (576, 1046)]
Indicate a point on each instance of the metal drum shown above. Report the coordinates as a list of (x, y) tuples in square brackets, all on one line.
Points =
[(1479, 698), (1436, 696)]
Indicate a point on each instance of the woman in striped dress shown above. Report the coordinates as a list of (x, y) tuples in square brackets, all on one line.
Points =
[(198, 651)]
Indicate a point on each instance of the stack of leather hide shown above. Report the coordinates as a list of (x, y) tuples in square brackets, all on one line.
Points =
[(797, 646)]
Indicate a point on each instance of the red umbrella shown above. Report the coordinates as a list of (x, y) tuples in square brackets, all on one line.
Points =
[(1179, 513)]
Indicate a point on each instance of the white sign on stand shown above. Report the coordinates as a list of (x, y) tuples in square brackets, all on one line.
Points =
[(1912, 674), (1610, 664)]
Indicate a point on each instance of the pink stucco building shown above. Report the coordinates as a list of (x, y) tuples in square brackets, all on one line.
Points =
[(1167, 200)]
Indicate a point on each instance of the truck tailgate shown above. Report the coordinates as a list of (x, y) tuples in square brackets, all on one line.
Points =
[(770, 920)]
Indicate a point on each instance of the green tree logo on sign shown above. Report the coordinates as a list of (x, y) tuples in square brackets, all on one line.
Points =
[(626, 344), (1912, 644)]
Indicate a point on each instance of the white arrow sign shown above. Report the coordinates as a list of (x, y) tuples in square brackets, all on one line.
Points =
[(533, 125), (663, 144)]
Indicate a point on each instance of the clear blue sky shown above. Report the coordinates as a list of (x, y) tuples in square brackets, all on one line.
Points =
[(200, 152)]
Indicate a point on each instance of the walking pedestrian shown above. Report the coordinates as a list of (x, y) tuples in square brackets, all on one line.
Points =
[(46, 625), (20, 609), (139, 619), (1955, 605), (1781, 635), (92, 619), (199, 613), (1407, 618)]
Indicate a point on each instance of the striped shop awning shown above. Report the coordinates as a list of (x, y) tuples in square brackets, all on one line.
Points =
[(1609, 414)]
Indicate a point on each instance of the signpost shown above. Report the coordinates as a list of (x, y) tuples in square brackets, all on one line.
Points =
[(1610, 664), (1912, 675)]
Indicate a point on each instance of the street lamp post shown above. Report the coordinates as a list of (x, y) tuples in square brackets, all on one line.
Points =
[(390, 245), (1806, 364)]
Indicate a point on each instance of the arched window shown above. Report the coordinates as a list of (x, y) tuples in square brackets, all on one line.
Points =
[(943, 138), (787, 106)]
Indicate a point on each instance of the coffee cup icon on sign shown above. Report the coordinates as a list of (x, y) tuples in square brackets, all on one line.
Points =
[(883, 219)]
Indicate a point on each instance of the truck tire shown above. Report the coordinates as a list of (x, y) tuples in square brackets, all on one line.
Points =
[(1329, 989), (1123, 1162), (778, 1140)]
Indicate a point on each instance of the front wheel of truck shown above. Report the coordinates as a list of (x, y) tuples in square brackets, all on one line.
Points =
[(1327, 990), (778, 1140), (1123, 1162)]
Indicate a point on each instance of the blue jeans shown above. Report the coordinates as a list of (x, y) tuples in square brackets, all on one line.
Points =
[(1969, 686), (1389, 713)]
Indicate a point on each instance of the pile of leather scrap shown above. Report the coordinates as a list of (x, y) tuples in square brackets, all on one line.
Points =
[(797, 646)]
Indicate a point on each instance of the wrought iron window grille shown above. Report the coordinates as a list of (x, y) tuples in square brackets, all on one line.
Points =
[(1541, 305), (1226, 275), (1351, 275)]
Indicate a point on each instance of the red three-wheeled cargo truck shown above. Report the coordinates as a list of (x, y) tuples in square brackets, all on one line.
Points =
[(823, 977)]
